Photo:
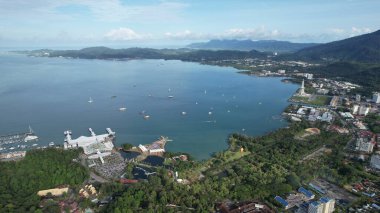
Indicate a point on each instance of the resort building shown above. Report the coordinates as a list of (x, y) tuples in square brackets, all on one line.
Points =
[(91, 144)]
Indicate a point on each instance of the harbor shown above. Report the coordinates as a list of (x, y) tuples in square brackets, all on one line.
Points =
[(17, 141)]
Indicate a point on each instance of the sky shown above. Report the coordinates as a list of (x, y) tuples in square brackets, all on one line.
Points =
[(175, 23)]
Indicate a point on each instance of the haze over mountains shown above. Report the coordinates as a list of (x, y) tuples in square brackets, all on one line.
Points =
[(247, 45)]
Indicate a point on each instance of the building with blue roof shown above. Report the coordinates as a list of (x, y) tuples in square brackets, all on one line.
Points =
[(315, 207), (282, 201), (328, 204), (306, 192)]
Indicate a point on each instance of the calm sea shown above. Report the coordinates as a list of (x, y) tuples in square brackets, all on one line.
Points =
[(51, 95)]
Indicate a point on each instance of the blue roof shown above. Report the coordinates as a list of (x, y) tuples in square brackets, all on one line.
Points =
[(282, 201), (306, 192), (318, 189), (315, 203), (324, 199)]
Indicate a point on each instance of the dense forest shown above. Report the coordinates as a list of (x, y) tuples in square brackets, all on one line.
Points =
[(272, 167), (40, 169)]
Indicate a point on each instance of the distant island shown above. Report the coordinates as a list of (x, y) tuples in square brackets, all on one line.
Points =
[(248, 45)]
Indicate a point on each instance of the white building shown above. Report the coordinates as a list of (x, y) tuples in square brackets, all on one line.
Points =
[(355, 109), (143, 148), (309, 76), (328, 204), (364, 145), (376, 97), (363, 110), (358, 97), (91, 144), (315, 207), (327, 116), (375, 161)]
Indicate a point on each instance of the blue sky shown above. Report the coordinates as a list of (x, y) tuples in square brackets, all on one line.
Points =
[(46, 23)]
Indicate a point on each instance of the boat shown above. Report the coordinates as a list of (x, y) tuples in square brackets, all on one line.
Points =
[(30, 136), (122, 109), (146, 117), (51, 144), (34, 144), (183, 113), (210, 113), (170, 96), (90, 100), (12, 148)]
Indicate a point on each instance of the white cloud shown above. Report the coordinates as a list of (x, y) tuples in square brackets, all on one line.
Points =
[(234, 33), (124, 34), (358, 31), (187, 35)]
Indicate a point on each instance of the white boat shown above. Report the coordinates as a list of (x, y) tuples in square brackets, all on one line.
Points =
[(90, 100), (122, 109), (183, 113), (51, 144), (170, 96), (30, 138), (34, 144), (210, 113), (12, 148), (146, 117)]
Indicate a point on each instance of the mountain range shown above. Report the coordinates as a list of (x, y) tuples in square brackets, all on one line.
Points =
[(247, 45), (363, 48)]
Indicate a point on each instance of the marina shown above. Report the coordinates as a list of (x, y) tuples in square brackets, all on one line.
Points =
[(17, 141)]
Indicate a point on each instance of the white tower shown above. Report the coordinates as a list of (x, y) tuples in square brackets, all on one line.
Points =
[(301, 91)]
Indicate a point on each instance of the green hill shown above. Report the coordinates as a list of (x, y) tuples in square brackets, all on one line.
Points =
[(363, 48)]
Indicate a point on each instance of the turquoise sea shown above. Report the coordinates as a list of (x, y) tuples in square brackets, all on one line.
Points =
[(51, 95)]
